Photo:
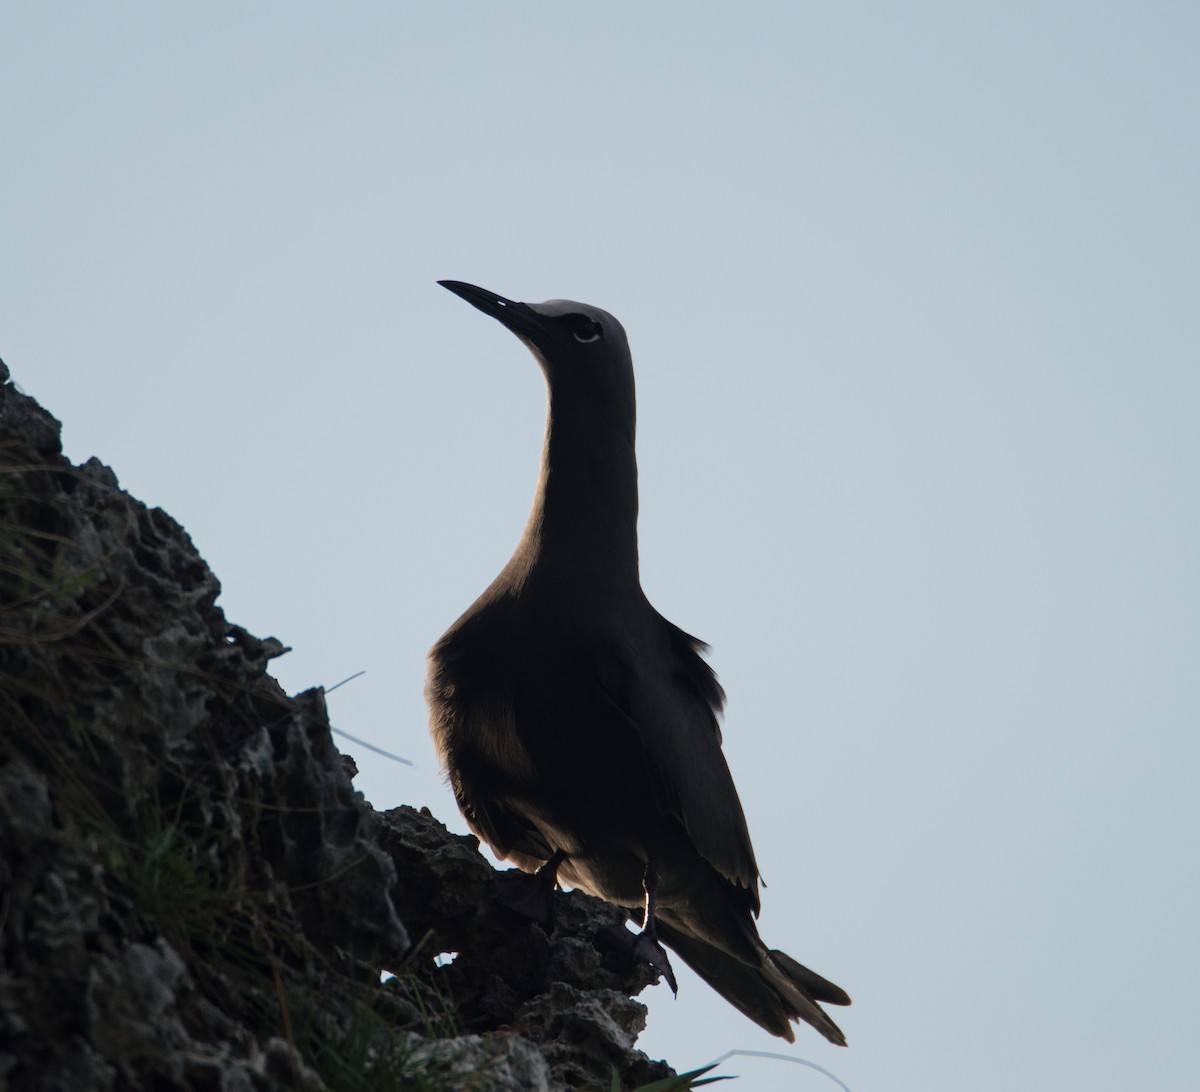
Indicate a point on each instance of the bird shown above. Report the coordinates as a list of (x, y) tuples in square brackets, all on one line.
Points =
[(577, 727)]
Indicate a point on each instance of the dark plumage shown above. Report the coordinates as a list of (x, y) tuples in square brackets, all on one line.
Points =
[(576, 723)]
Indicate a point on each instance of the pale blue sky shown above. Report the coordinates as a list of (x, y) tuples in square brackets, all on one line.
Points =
[(912, 294)]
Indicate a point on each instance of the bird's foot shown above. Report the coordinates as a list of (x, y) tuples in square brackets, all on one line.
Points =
[(530, 894), (648, 950), (646, 947), (526, 894)]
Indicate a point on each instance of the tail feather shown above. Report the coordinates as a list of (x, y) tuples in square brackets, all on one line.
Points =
[(818, 988), (772, 993)]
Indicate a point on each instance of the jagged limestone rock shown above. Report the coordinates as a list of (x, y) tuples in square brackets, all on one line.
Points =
[(192, 893)]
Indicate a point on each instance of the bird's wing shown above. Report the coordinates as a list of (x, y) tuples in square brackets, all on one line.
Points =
[(673, 700)]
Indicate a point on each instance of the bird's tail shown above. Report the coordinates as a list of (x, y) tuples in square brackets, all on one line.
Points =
[(772, 993)]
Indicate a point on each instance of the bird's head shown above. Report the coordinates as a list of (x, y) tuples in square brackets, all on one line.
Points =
[(579, 347)]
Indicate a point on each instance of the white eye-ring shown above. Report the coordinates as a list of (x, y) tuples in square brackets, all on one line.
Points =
[(584, 329)]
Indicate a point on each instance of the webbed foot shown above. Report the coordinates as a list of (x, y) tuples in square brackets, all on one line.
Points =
[(530, 894), (648, 950)]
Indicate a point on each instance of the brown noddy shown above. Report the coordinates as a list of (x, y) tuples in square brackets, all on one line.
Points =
[(578, 727)]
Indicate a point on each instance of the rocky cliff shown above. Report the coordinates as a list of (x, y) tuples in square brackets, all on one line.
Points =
[(192, 893)]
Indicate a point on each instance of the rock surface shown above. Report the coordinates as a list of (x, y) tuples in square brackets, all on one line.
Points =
[(192, 893)]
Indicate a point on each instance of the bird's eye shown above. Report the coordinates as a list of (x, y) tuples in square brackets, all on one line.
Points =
[(584, 329)]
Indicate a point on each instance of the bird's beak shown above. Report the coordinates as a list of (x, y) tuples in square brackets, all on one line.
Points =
[(520, 318)]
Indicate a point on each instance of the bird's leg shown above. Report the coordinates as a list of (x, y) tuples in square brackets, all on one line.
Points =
[(531, 894), (647, 947), (548, 873)]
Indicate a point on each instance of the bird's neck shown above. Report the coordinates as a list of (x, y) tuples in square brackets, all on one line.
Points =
[(583, 527)]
